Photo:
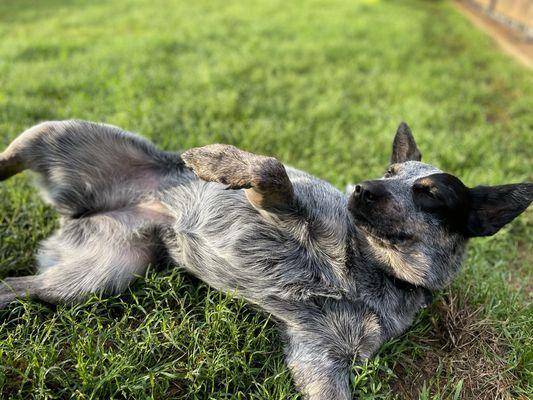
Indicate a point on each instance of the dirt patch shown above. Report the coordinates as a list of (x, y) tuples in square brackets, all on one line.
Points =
[(510, 41), (461, 345)]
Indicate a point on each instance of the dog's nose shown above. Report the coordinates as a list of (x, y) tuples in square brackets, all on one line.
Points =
[(370, 191)]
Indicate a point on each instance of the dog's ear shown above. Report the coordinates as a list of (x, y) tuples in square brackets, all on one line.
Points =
[(404, 146), (492, 207)]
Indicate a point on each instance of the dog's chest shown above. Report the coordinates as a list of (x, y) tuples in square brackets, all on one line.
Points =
[(222, 239)]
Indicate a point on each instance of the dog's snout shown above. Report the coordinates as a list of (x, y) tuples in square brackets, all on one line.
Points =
[(370, 191)]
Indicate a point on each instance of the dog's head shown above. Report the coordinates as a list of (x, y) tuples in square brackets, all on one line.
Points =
[(417, 218)]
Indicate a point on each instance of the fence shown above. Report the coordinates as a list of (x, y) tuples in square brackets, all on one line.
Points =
[(517, 14)]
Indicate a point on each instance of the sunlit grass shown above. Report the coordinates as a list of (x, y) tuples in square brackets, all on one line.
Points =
[(320, 85)]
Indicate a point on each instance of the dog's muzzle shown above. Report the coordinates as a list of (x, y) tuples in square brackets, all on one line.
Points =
[(367, 194)]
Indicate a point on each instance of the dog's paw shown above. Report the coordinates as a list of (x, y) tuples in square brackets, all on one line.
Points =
[(220, 163), (265, 177)]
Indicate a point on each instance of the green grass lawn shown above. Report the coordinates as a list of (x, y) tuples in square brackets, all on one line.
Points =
[(320, 85)]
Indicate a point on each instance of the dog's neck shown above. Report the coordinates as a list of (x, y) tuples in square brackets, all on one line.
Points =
[(431, 264), (396, 301)]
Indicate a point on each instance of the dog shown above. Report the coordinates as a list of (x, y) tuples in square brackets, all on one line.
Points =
[(340, 273)]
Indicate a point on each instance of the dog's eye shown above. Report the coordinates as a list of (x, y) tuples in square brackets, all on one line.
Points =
[(427, 188), (427, 197), (428, 191)]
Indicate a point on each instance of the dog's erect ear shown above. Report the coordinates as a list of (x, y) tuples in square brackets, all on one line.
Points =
[(492, 207), (404, 146)]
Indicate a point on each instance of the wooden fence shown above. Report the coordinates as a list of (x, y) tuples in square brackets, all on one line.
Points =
[(518, 14)]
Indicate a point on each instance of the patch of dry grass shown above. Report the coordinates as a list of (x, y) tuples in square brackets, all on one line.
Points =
[(462, 345)]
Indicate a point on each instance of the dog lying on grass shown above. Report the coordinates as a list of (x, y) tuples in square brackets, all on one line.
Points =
[(340, 273)]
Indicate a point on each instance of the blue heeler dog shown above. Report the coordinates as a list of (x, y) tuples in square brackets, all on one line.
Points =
[(340, 273)]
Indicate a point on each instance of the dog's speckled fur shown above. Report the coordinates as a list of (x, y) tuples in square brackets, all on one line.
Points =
[(340, 273)]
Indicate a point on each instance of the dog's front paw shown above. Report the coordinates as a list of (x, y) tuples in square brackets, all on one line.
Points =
[(267, 183), (220, 163)]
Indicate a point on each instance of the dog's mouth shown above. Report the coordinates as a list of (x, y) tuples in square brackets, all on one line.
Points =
[(383, 235)]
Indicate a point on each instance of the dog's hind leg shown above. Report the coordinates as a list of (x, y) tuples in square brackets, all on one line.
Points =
[(87, 167), (10, 164), (98, 254), (12, 288)]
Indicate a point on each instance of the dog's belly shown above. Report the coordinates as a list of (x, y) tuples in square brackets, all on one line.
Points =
[(222, 239), (209, 221)]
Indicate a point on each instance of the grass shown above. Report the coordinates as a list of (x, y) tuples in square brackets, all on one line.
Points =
[(320, 85)]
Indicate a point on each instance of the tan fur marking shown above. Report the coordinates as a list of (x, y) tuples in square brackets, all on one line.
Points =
[(408, 270), (156, 211)]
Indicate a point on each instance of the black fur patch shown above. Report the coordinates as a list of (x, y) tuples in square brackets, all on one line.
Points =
[(445, 196)]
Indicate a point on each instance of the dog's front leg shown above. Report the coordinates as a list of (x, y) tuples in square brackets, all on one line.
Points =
[(322, 341), (318, 371), (264, 179)]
